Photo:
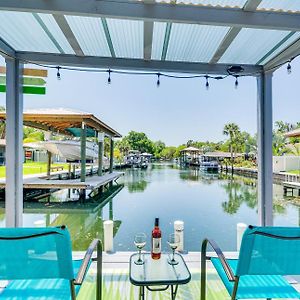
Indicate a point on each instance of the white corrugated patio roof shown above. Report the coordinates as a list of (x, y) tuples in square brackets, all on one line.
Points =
[(197, 36)]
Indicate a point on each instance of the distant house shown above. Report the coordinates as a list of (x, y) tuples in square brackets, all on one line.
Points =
[(219, 155)]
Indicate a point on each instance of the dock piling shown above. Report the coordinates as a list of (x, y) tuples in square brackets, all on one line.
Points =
[(100, 152)]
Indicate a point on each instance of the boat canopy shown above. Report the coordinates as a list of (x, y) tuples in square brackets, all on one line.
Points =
[(65, 121)]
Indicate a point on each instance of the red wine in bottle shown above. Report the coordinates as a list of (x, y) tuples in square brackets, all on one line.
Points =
[(156, 240)]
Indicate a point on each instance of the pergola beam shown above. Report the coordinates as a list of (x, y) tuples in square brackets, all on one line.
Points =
[(108, 37), (250, 5), (190, 14), (225, 44), (48, 33), (148, 37), (6, 50), (68, 33), (131, 64), (284, 56)]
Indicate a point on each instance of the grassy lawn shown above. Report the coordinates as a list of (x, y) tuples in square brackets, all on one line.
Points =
[(297, 172), (34, 168)]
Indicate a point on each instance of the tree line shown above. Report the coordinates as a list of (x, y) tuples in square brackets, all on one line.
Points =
[(236, 141)]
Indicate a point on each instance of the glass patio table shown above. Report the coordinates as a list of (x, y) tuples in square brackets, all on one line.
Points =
[(158, 275)]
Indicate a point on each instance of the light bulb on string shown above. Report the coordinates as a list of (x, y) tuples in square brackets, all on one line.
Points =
[(58, 73), (236, 83), (158, 80), (207, 83), (109, 79), (289, 68)]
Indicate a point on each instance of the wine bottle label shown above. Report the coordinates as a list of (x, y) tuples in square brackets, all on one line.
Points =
[(156, 245)]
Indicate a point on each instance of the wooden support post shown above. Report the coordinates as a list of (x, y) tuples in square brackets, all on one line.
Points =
[(49, 157), (111, 158), (73, 172), (83, 159), (69, 171), (100, 152), (83, 152), (111, 211)]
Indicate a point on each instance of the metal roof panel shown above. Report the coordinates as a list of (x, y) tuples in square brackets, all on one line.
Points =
[(197, 43), (127, 37), (22, 31), (251, 45), (90, 35)]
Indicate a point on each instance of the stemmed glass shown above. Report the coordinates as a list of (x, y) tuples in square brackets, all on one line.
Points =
[(173, 241), (140, 243)]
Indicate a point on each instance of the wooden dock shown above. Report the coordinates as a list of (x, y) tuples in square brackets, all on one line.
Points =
[(289, 187), (91, 183)]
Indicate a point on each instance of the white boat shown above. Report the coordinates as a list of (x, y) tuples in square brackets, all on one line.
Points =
[(70, 150)]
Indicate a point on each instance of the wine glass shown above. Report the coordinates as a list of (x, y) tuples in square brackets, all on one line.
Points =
[(173, 241), (140, 242)]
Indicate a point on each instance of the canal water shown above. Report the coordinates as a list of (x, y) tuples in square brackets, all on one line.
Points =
[(209, 204)]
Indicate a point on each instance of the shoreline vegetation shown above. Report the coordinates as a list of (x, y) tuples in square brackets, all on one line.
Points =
[(235, 142)]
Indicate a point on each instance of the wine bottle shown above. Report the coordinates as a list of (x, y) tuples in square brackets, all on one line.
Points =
[(156, 241)]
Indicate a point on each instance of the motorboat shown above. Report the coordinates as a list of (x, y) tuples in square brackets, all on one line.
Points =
[(68, 149)]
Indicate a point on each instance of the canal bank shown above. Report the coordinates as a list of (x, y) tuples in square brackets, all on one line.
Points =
[(210, 205), (278, 177)]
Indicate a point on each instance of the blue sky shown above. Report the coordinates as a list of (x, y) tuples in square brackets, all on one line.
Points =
[(175, 112)]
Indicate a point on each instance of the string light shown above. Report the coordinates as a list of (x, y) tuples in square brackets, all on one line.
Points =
[(58, 73), (236, 84), (289, 68), (109, 79), (158, 80), (207, 83)]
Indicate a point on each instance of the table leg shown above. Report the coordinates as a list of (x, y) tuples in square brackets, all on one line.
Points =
[(142, 293), (173, 291)]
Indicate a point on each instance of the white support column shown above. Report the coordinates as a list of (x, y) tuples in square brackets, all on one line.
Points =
[(265, 160), (14, 144)]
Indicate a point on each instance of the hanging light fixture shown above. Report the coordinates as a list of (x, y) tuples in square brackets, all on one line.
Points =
[(207, 83), (158, 80), (58, 73), (109, 79), (289, 68), (236, 83)]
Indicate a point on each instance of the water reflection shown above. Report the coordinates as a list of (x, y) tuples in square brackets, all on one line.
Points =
[(136, 180), (241, 190), (210, 205), (84, 220), (195, 174)]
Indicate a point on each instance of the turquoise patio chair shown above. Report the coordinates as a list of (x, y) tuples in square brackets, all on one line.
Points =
[(266, 255), (38, 264)]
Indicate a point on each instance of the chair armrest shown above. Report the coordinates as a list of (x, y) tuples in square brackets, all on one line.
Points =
[(228, 271), (96, 244)]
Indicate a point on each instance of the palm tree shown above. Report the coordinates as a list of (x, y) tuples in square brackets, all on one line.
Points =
[(279, 144), (294, 149), (233, 131), (283, 127)]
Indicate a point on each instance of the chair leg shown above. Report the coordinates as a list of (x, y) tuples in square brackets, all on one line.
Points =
[(235, 287), (99, 272), (72, 288), (203, 274)]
